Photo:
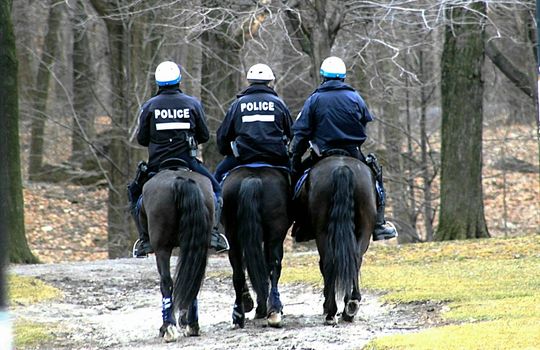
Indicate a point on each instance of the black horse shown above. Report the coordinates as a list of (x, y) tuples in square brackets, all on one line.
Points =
[(256, 219), (178, 209), (339, 195)]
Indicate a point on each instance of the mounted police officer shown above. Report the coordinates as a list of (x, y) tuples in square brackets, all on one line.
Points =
[(171, 125), (334, 118), (257, 126)]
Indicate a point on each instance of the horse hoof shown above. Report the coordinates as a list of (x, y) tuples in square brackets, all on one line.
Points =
[(192, 330), (238, 318), (247, 301), (170, 334), (351, 309), (274, 319), (331, 320)]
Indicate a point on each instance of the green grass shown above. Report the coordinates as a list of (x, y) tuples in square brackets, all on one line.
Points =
[(28, 290), (24, 291), (491, 286), (502, 334), (29, 334)]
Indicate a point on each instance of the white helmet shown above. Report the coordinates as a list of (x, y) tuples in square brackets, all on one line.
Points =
[(333, 67), (168, 73), (260, 73)]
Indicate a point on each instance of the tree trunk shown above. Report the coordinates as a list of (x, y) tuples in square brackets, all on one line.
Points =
[(220, 83), (397, 189), (462, 207), (426, 177), (83, 77), (42, 92), (11, 206)]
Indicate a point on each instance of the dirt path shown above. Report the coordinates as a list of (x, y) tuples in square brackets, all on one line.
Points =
[(116, 304)]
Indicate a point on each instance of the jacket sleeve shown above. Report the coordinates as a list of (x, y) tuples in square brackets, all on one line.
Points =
[(366, 116), (226, 133), (143, 133), (202, 134), (302, 130), (287, 122)]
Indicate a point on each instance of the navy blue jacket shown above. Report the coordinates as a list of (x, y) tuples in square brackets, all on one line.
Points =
[(334, 116), (260, 123), (165, 123)]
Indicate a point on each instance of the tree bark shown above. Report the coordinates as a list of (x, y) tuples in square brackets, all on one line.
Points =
[(83, 77), (462, 207), (41, 92), (11, 206)]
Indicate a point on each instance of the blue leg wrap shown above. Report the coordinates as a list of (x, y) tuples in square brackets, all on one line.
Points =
[(167, 311), (275, 302)]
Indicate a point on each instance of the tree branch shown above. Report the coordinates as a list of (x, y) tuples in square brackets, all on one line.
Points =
[(516, 76)]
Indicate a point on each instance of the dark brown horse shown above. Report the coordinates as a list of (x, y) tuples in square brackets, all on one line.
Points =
[(256, 219), (178, 210), (339, 195)]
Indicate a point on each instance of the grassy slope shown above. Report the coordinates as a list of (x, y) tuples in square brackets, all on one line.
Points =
[(492, 287), (26, 290)]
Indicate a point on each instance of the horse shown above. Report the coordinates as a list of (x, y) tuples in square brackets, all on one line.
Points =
[(177, 209), (256, 219), (340, 203)]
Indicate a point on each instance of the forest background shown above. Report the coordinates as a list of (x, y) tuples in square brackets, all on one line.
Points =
[(86, 67)]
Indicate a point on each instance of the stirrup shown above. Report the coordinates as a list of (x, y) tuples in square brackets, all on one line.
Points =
[(138, 250), (384, 236), (219, 242)]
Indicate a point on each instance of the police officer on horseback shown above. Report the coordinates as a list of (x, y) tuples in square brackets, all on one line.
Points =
[(257, 126), (333, 120), (171, 125)]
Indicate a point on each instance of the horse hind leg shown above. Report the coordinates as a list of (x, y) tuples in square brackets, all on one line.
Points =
[(275, 307), (240, 287), (247, 301), (190, 320), (352, 304), (168, 330)]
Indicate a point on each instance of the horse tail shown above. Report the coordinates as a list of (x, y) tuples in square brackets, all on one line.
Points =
[(250, 233), (194, 230), (341, 261)]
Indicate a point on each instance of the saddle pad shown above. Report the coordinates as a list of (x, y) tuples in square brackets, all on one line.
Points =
[(300, 183), (256, 165)]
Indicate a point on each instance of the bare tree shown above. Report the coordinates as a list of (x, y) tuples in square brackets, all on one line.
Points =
[(11, 207), (83, 79), (41, 91), (462, 207)]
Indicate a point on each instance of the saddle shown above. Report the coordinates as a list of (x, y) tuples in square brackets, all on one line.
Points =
[(174, 164)]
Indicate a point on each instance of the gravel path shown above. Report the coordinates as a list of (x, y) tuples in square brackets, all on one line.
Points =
[(116, 304)]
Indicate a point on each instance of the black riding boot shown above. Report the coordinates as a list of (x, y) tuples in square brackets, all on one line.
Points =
[(383, 230), (218, 241), (142, 246)]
